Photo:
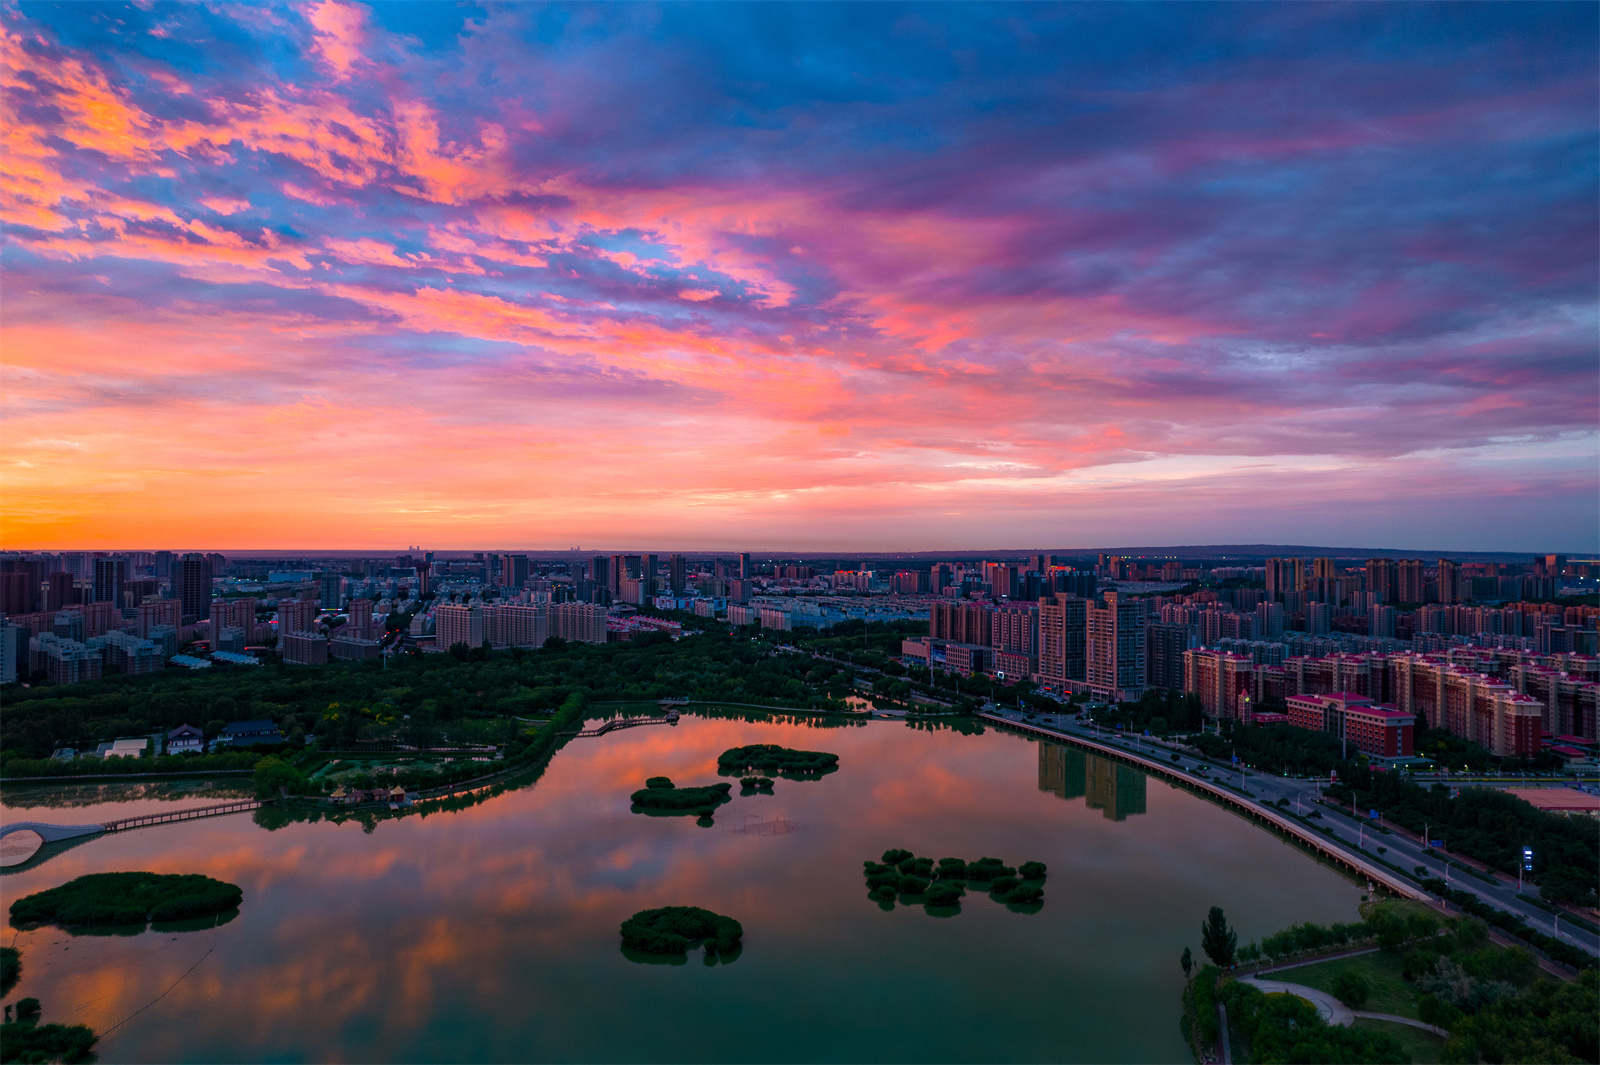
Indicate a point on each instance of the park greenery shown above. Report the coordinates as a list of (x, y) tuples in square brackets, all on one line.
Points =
[(125, 899), (1493, 1000), (901, 874), (1157, 711), (1559, 950), (427, 700), (749, 784), (660, 795), (26, 1041), (674, 929), (175, 764), (771, 758), (10, 969)]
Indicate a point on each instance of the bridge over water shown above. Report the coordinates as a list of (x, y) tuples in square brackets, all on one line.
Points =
[(20, 841), (670, 718)]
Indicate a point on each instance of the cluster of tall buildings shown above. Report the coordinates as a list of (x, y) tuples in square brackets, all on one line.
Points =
[(1279, 631)]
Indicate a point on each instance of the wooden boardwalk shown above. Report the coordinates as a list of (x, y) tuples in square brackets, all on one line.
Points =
[(670, 718), (191, 814)]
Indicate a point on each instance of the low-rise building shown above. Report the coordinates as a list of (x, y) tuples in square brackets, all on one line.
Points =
[(185, 738), (248, 732), (1380, 731)]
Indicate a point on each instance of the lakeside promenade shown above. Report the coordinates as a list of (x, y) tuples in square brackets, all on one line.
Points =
[(1341, 837)]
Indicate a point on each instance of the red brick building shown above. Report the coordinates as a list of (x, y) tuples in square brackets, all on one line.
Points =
[(1381, 731)]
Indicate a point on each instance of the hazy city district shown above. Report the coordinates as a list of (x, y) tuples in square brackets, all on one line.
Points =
[(1420, 735)]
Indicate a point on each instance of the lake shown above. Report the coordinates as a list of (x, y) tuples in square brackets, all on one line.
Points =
[(490, 933)]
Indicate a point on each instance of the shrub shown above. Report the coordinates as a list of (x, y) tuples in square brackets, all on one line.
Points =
[(1031, 870), (988, 869), (952, 869), (1352, 989), (944, 893), (922, 867), (46, 1042), (1024, 893), (912, 885), (659, 782), (896, 855), (1003, 884)]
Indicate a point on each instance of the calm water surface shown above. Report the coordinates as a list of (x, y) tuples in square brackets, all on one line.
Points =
[(490, 934)]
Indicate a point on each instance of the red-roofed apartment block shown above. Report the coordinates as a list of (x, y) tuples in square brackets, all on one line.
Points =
[(1381, 731)]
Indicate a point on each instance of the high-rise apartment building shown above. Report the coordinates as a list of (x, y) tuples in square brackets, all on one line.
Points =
[(1269, 621), (1410, 582), (296, 615), (330, 589), (109, 573), (1383, 579), (578, 622), (516, 625), (157, 612), (1163, 655), (1063, 634), (745, 569), (457, 623), (1001, 579), (192, 586), (359, 624), (220, 609), (677, 574), (16, 597), (647, 575), (1015, 639), (513, 571), (1450, 589), (1116, 648), (964, 622), (1285, 575), (61, 590)]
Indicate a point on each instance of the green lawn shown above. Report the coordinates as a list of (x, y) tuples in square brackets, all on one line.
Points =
[(1390, 992), (1423, 1046)]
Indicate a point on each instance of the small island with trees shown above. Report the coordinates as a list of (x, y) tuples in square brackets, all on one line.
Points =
[(771, 758), (901, 874), (674, 929), (99, 899), (660, 796)]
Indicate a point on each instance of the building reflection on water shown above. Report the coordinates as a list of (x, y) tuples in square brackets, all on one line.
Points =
[(1115, 790)]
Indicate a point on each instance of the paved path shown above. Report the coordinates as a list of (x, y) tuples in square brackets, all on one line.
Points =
[(1316, 959), (1442, 1033), (1329, 1008)]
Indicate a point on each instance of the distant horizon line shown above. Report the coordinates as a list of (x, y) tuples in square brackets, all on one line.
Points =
[(1258, 550)]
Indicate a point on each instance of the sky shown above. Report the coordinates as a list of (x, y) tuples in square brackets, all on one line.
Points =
[(799, 276)]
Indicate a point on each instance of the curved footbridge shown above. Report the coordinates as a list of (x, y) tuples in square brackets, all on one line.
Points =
[(19, 852), (1326, 848)]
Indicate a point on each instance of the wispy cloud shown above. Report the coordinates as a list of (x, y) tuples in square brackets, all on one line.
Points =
[(891, 275)]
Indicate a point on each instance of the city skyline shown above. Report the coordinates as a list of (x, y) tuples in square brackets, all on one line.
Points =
[(858, 278)]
